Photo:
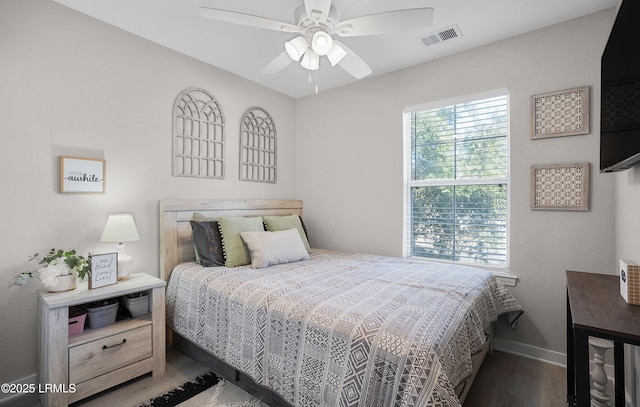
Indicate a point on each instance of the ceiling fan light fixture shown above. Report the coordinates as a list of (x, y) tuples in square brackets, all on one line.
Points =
[(336, 54), (296, 47), (310, 60), (321, 43)]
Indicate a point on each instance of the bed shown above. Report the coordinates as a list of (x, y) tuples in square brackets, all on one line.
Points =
[(338, 328)]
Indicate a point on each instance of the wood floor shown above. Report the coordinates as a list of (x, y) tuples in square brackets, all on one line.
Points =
[(507, 380), (504, 380), (179, 369)]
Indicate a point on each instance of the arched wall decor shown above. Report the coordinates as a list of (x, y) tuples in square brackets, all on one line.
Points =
[(257, 146), (198, 135)]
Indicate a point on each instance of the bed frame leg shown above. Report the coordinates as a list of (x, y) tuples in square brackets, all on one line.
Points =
[(169, 337), (491, 339)]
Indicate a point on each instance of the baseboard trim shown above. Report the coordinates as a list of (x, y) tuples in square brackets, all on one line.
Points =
[(532, 352), (11, 399)]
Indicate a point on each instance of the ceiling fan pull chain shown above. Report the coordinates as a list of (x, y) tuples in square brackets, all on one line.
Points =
[(316, 82)]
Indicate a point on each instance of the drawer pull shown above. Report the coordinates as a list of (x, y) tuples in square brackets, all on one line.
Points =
[(104, 347)]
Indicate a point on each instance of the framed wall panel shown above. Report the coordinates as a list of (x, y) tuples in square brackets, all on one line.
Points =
[(560, 186), (198, 135), (258, 146), (560, 113)]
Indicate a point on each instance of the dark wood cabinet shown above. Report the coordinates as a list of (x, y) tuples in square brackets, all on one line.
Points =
[(596, 308)]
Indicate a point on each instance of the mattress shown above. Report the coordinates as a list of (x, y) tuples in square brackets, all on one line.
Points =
[(342, 329)]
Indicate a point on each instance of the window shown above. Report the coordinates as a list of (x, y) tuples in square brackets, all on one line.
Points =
[(458, 180)]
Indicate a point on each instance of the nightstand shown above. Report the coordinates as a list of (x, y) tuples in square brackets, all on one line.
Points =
[(71, 368), (595, 308)]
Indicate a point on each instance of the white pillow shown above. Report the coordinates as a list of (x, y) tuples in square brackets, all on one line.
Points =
[(269, 248)]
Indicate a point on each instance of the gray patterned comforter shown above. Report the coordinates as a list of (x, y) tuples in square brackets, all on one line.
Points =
[(342, 329)]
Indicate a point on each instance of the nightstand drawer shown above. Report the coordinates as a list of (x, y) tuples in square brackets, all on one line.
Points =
[(107, 354)]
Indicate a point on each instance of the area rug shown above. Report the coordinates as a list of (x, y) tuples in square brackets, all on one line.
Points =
[(204, 391), (223, 394)]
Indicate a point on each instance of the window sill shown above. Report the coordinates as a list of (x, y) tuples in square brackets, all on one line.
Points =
[(505, 278)]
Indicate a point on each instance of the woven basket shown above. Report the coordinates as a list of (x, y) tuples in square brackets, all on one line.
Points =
[(137, 305)]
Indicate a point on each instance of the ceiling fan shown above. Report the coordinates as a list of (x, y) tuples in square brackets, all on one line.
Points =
[(317, 22)]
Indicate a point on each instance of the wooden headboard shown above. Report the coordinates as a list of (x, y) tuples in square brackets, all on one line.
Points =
[(176, 240)]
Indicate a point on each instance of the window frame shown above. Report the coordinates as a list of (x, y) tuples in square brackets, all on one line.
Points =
[(500, 271)]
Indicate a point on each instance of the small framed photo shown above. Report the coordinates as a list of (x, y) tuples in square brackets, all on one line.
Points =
[(82, 175), (104, 270)]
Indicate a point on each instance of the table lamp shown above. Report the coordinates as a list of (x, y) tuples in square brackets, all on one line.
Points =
[(121, 228)]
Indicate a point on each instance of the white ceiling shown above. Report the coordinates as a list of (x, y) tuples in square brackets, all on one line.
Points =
[(177, 24)]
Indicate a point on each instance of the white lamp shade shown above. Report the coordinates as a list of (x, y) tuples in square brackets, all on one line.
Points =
[(310, 60), (119, 228), (321, 43), (336, 54), (296, 47)]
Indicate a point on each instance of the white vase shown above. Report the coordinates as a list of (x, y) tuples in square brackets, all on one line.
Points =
[(63, 283)]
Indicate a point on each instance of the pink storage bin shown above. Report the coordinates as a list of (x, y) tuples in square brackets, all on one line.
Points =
[(77, 317)]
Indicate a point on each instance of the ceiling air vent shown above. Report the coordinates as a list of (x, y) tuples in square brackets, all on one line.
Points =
[(442, 35)]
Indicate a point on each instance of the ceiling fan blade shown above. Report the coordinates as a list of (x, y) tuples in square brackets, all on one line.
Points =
[(353, 64), (387, 22), (246, 19), (279, 63), (317, 10)]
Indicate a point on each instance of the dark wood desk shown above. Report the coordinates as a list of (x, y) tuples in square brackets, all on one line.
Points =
[(596, 308)]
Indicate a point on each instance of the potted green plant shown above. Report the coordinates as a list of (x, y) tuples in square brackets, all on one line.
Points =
[(59, 270)]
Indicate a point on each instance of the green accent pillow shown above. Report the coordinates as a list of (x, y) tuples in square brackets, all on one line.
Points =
[(278, 223), (235, 251)]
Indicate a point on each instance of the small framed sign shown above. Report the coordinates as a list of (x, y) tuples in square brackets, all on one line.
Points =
[(104, 270), (82, 175)]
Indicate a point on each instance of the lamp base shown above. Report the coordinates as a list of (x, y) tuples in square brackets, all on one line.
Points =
[(124, 260)]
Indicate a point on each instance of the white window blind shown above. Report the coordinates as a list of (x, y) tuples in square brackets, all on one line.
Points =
[(457, 186)]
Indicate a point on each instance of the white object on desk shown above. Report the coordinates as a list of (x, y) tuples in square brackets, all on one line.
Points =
[(630, 281)]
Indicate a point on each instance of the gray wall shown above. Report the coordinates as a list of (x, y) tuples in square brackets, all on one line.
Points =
[(349, 142), (70, 85), (627, 203)]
